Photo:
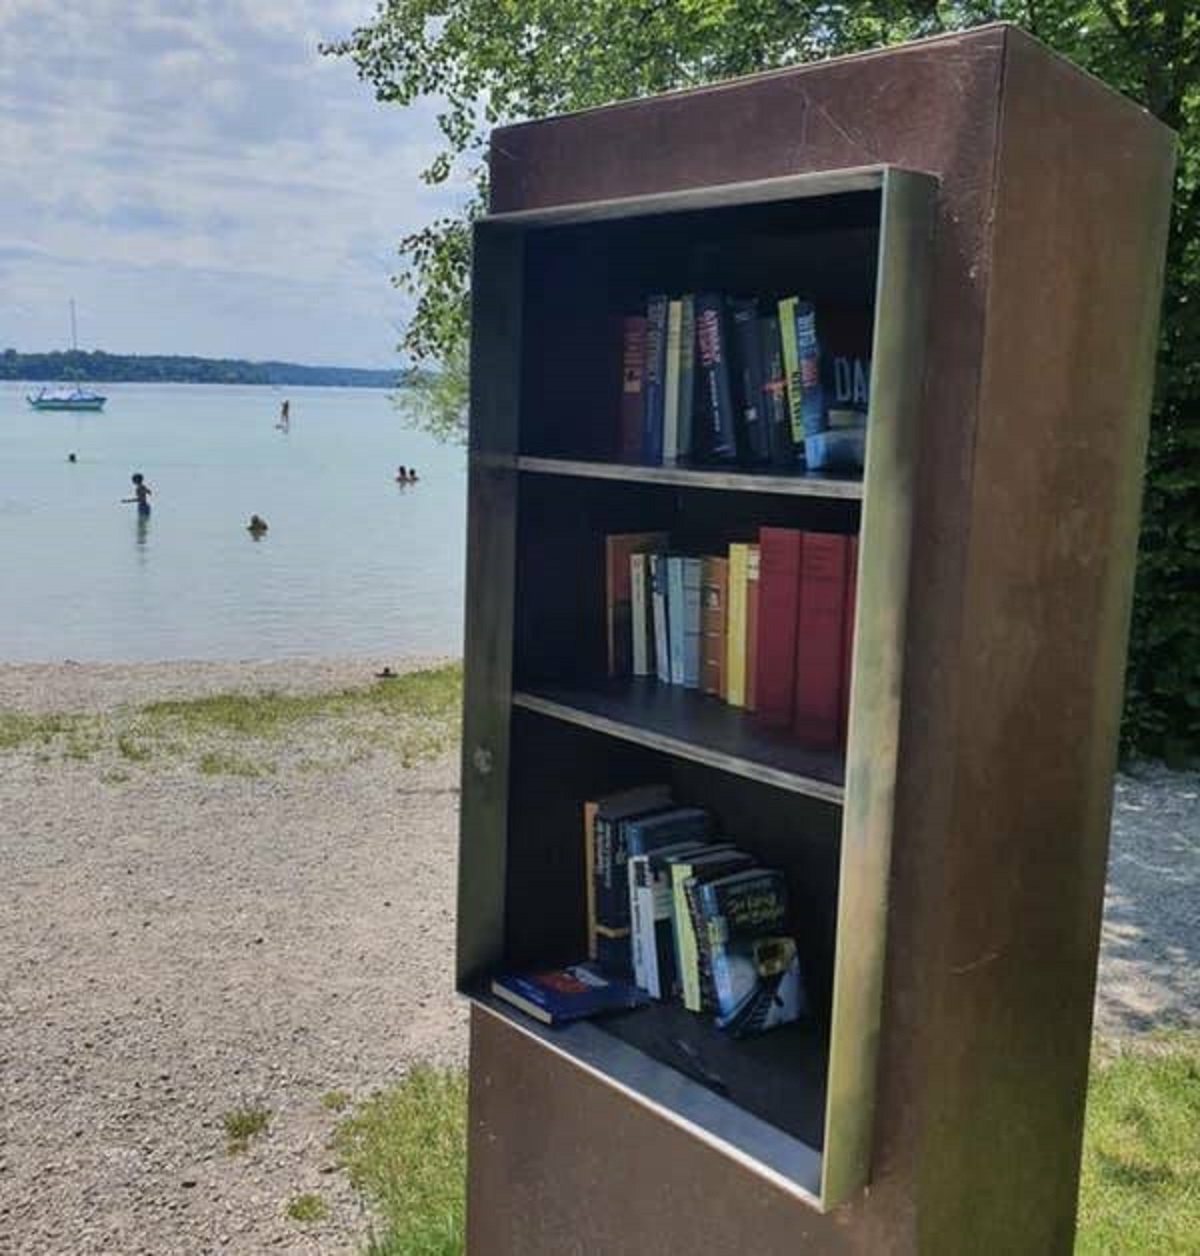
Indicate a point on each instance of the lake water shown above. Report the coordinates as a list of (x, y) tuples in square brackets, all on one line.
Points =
[(352, 564)]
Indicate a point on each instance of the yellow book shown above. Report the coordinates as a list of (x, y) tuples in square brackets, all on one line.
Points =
[(735, 642)]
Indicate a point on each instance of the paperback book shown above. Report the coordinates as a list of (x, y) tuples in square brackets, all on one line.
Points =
[(558, 995)]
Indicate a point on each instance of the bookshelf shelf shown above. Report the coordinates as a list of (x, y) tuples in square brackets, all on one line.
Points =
[(837, 488), (694, 726)]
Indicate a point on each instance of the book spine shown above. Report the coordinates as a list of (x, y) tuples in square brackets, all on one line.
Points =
[(791, 366), (778, 610), (636, 868), (820, 639), (633, 370), (693, 892), (735, 639), (775, 396), (715, 442), (752, 590), (671, 384), (687, 374), (652, 387), (753, 438), (714, 623), (692, 629), (605, 885), (643, 643), (659, 605), (676, 616), (685, 939), (589, 866), (848, 640), (661, 968), (808, 351)]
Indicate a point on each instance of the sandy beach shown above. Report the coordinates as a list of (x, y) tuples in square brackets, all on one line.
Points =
[(197, 920)]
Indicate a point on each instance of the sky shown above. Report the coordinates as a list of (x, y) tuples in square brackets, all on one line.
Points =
[(202, 181)]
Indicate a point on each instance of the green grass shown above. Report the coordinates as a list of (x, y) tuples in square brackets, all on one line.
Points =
[(307, 1208), (17, 728), (336, 1100), (405, 1150), (242, 1124), (1140, 1189), (217, 763)]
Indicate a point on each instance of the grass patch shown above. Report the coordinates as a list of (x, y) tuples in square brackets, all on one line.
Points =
[(307, 1208), (242, 1124), (336, 1100), (405, 1150), (129, 747), (217, 763), (18, 728), (1140, 1187)]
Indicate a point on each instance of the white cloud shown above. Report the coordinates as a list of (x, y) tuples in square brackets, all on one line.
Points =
[(202, 180)]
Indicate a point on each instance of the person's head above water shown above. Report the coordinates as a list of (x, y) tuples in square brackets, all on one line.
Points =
[(137, 477)]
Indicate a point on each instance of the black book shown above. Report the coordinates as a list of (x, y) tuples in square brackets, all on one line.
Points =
[(753, 439), (713, 438), (775, 401)]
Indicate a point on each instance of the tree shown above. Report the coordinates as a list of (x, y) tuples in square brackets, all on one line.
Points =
[(494, 61)]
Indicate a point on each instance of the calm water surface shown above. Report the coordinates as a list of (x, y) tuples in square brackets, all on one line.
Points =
[(352, 564)]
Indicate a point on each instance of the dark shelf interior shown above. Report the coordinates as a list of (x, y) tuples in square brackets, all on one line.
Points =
[(650, 711)]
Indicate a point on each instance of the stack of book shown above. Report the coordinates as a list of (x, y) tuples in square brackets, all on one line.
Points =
[(766, 626), (688, 915), (734, 380)]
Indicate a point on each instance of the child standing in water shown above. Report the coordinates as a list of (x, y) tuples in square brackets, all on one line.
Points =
[(142, 494)]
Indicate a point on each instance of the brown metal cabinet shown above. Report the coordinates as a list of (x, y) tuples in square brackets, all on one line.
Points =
[(1004, 217)]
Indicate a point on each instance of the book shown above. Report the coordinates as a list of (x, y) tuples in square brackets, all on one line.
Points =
[(641, 614), (692, 630), (821, 639), (659, 607), (756, 977), (557, 995), (589, 876), (781, 449), (653, 931), (714, 625), (715, 860), (808, 357), (846, 361), (618, 594), (778, 612), (752, 592), (608, 904), (848, 639), (735, 626), (713, 438), (671, 383), (676, 616), (633, 369), (653, 380), (752, 436), (687, 374), (791, 366)]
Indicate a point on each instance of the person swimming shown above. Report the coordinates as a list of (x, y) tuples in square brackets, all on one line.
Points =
[(257, 525), (401, 474), (141, 494), (72, 458)]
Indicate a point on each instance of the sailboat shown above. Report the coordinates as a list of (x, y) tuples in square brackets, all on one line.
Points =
[(64, 398)]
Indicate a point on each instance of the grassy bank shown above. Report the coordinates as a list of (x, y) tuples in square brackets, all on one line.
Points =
[(405, 1150)]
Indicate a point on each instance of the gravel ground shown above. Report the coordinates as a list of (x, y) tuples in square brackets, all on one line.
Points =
[(175, 946)]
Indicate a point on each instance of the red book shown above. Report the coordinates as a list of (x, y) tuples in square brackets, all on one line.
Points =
[(848, 643), (633, 371), (779, 552), (821, 639)]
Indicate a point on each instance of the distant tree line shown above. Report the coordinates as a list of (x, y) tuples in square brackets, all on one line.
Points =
[(100, 367)]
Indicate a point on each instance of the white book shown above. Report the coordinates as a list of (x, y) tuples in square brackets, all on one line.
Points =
[(671, 383), (639, 569)]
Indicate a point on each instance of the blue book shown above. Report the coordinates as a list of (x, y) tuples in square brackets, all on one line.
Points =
[(693, 572), (808, 352), (676, 616), (565, 994), (654, 380)]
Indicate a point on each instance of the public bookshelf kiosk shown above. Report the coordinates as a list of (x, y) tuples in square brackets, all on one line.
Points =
[(1004, 217)]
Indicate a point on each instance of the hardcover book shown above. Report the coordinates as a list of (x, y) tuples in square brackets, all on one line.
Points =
[(618, 594), (671, 383), (713, 440), (808, 355), (653, 928), (659, 605), (753, 437), (821, 639), (717, 860), (676, 616), (752, 593), (654, 380), (692, 630), (714, 625), (735, 628), (775, 396), (642, 614), (791, 366), (558, 995), (633, 369), (846, 360), (687, 374), (778, 612), (755, 969)]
